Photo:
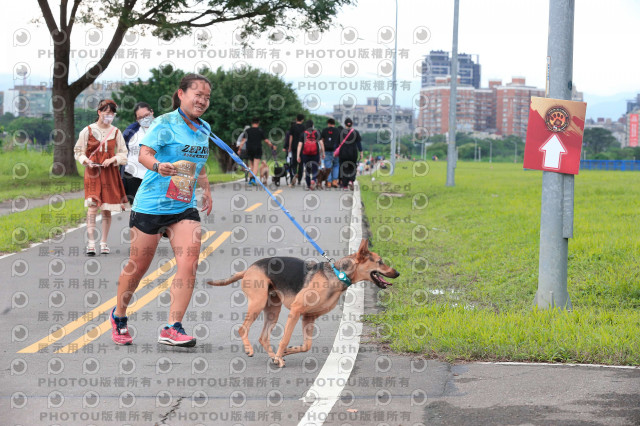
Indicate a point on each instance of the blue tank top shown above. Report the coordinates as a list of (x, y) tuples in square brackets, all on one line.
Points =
[(172, 140)]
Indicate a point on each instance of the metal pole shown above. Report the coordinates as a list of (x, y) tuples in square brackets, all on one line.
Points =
[(515, 155), (490, 151), (451, 149), (475, 149), (557, 189), (393, 95)]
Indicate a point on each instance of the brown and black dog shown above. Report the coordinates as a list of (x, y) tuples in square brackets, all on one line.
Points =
[(323, 174), (264, 172), (307, 289)]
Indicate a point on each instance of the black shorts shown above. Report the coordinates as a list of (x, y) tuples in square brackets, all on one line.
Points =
[(254, 154), (158, 223)]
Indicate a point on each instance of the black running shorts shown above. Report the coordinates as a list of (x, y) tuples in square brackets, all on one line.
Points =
[(158, 223)]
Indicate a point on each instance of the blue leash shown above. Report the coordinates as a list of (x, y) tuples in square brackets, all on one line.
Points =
[(341, 275)]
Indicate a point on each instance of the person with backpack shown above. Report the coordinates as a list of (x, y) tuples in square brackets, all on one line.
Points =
[(330, 141), (295, 137), (253, 138), (310, 150), (349, 152)]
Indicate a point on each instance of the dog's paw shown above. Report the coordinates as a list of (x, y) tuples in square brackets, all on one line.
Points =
[(278, 361)]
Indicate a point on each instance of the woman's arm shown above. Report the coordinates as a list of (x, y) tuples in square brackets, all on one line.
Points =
[(80, 147), (203, 182), (147, 158)]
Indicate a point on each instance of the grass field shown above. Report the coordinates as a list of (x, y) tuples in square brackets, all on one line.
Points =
[(26, 173), (469, 261)]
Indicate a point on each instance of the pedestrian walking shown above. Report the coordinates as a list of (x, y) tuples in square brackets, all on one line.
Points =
[(295, 136), (350, 152), (309, 153), (133, 171), (254, 136), (330, 141), (101, 148)]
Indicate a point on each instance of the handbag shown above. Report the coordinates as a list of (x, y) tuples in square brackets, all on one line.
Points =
[(336, 152)]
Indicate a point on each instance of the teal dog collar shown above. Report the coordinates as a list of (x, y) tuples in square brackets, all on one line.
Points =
[(342, 276)]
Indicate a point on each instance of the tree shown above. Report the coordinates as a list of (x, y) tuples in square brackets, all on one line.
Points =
[(167, 19), (597, 140), (25, 128), (237, 97), (156, 91), (241, 95)]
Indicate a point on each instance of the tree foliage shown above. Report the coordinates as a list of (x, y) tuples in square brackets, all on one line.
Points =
[(597, 140), (236, 98), (165, 19), (240, 95), (23, 129), (156, 91)]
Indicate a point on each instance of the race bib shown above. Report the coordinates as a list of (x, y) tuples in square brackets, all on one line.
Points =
[(181, 185)]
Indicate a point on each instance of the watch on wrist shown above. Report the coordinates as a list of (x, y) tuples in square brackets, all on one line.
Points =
[(155, 167)]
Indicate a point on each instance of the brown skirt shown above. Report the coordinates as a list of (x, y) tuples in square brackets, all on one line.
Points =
[(102, 185)]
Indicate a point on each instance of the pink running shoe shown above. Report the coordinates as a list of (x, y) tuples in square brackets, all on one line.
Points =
[(174, 335), (120, 332)]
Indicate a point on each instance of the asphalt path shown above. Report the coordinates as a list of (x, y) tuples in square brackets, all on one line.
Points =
[(61, 367)]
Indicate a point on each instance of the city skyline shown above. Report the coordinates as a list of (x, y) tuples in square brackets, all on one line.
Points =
[(516, 47)]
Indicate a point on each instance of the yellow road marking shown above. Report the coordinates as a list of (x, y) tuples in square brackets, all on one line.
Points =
[(140, 303), (277, 192), (89, 316), (253, 207)]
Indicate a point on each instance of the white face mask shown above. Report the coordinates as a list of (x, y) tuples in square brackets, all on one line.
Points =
[(107, 119), (146, 121)]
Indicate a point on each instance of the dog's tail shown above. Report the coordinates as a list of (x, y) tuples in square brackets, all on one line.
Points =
[(227, 281)]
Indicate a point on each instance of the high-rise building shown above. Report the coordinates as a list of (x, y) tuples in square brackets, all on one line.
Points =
[(434, 114), (438, 64), (28, 101), (374, 115), (92, 95), (512, 107), (633, 104), (35, 101), (499, 109)]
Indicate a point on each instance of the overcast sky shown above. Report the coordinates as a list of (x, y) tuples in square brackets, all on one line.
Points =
[(509, 36)]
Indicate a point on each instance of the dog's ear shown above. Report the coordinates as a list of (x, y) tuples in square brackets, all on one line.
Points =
[(363, 250)]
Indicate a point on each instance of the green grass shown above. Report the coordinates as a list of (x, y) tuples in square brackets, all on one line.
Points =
[(26, 173), (19, 230), (469, 285)]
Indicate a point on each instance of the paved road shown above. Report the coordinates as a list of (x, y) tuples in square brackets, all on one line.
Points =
[(78, 376), (21, 203)]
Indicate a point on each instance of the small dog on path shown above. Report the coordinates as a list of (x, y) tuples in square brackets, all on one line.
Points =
[(264, 172), (308, 290), (323, 174)]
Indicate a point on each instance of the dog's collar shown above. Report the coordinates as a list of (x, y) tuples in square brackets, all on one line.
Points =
[(342, 276)]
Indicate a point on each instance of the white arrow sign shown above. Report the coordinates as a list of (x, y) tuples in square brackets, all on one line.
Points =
[(553, 150)]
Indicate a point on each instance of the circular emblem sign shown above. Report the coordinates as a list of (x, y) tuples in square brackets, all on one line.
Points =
[(557, 119)]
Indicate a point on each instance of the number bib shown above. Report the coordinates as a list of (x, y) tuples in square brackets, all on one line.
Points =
[(182, 184)]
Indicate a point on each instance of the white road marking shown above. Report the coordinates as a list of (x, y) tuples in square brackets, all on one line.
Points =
[(558, 364), (333, 377)]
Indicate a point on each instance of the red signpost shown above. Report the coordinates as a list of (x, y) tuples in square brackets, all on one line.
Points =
[(554, 135)]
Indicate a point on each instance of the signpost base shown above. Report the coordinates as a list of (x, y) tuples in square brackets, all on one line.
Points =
[(554, 248)]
